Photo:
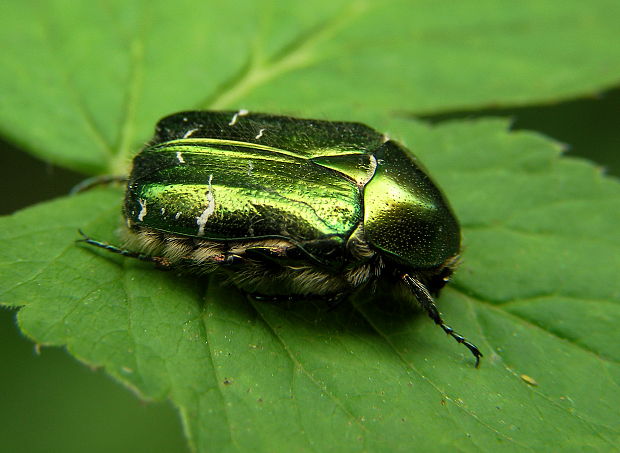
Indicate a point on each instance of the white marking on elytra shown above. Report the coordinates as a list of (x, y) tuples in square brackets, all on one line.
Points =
[(250, 168), (260, 134), (142, 212), (210, 209), (236, 116), (189, 133), (180, 157), (163, 211), (177, 215)]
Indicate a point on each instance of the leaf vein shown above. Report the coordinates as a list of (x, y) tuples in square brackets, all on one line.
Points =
[(309, 375), (411, 367), (218, 380), (592, 424), (75, 96), (131, 100), (299, 53)]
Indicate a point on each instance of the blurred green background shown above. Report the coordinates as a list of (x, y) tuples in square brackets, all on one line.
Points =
[(51, 403)]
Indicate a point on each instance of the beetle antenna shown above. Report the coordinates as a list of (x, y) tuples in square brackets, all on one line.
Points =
[(428, 304)]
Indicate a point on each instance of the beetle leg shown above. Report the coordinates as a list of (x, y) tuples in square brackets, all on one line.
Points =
[(95, 181), (335, 301), (272, 252), (426, 301), (159, 260), (274, 299), (232, 259)]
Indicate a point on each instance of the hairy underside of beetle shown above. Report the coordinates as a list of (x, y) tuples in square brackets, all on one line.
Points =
[(265, 267)]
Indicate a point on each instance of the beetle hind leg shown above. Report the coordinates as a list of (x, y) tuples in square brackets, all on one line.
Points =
[(426, 301), (160, 261)]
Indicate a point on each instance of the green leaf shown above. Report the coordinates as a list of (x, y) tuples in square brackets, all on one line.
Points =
[(83, 83), (537, 291), (82, 86)]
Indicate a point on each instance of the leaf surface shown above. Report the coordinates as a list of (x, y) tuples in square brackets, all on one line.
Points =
[(85, 83)]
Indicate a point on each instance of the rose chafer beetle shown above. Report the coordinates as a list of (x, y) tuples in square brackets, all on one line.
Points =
[(287, 206)]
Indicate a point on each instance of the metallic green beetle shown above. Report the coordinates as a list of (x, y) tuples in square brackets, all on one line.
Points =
[(289, 206)]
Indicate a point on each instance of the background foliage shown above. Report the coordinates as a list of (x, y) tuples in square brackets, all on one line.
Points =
[(82, 87)]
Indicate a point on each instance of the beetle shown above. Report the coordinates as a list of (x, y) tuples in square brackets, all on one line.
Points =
[(289, 207)]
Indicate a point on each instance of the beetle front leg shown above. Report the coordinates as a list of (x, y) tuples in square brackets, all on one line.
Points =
[(428, 304)]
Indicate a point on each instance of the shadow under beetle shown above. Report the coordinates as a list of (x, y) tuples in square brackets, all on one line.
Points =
[(287, 206)]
